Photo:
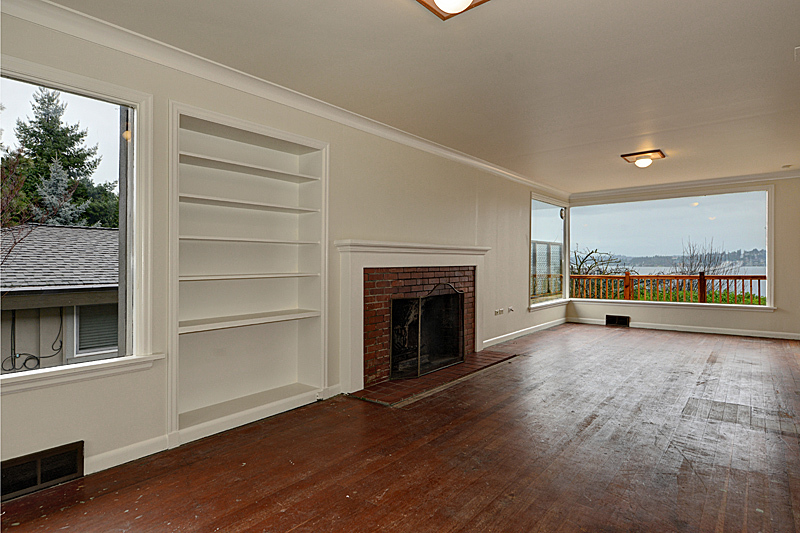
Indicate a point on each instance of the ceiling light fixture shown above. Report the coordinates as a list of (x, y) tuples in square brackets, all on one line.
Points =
[(444, 9), (643, 159), (452, 6)]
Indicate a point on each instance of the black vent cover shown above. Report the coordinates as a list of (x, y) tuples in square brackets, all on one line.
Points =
[(37, 471), (617, 320)]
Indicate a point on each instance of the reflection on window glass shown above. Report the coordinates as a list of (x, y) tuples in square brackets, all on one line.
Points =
[(547, 251)]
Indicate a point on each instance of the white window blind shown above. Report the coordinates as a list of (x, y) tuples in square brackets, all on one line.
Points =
[(97, 327)]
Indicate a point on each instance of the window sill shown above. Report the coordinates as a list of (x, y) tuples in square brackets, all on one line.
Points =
[(678, 305), (548, 304), (51, 377)]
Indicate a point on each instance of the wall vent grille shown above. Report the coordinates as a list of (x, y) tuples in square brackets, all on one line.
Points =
[(29, 473), (617, 320)]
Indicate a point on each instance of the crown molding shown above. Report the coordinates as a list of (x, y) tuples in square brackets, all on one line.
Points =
[(94, 30), (673, 190)]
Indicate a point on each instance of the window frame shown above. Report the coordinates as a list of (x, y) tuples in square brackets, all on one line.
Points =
[(564, 299), (709, 188), (138, 267)]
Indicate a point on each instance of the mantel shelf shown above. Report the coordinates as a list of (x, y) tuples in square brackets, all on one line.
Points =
[(225, 322), (198, 160), (241, 204), (241, 239), (264, 275)]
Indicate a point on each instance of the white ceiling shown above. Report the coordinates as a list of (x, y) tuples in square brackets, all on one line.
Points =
[(554, 90)]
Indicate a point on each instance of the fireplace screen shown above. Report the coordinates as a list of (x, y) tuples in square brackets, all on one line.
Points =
[(427, 332)]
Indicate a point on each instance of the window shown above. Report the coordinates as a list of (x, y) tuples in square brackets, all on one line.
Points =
[(96, 330), (67, 164), (701, 249), (547, 251)]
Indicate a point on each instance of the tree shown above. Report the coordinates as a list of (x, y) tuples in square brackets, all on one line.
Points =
[(704, 257), (596, 263), (45, 138), (102, 203), (54, 205)]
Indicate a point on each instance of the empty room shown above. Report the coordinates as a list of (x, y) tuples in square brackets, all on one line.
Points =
[(400, 265)]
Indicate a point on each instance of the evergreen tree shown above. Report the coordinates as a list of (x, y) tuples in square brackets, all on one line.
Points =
[(46, 138), (103, 203), (54, 205)]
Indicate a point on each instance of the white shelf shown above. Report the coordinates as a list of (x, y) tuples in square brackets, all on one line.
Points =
[(225, 322), (206, 421), (199, 160), (271, 275), (241, 204), (241, 239), (250, 204)]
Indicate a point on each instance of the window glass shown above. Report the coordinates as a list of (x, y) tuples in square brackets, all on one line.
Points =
[(706, 249), (547, 251), (67, 163)]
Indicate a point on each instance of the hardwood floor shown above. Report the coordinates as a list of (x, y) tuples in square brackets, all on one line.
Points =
[(594, 429)]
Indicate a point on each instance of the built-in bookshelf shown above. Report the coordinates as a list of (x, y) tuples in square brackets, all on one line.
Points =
[(250, 209)]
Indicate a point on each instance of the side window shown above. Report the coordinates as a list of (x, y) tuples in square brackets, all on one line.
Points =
[(547, 251), (67, 167)]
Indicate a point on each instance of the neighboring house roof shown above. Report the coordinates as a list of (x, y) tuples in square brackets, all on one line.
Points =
[(59, 258)]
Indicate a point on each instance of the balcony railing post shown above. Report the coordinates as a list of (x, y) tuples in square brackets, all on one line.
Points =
[(701, 287), (627, 286)]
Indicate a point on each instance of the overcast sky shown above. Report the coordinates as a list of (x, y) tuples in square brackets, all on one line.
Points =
[(659, 227), (101, 119)]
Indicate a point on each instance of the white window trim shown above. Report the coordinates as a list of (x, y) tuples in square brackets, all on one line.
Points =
[(140, 314), (535, 306)]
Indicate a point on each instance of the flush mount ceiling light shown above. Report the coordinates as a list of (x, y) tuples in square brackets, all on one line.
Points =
[(643, 159), (444, 9)]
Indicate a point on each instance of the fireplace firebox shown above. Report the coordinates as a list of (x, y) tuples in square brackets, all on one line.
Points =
[(427, 333)]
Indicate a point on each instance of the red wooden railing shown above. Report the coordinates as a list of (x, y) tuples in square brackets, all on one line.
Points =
[(730, 289)]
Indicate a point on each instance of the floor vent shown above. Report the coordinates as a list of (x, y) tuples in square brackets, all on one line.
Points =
[(40, 470), (617, 320)]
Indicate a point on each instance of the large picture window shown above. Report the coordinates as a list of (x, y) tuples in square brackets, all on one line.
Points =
[(547, 251), (699, 249), (67, 168)]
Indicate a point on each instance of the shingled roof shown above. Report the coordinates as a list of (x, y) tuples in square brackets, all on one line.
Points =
[(59, 258)]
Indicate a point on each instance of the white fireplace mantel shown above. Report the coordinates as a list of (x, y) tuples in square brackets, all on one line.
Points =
[(357, 255)]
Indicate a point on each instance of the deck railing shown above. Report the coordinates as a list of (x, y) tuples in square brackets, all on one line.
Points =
[(730, 289)]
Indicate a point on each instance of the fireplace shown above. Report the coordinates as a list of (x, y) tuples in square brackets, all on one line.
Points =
[(445, 288), (427, 333), (372, 273)]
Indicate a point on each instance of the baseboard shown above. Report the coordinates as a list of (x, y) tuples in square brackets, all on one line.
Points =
[(521, 332), (330, 392), (120, 456), (694, 329)]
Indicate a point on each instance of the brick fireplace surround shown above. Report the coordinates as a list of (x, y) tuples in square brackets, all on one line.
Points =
[(381, 285)]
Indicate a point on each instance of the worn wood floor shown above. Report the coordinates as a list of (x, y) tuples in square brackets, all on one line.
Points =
[(595, 429)]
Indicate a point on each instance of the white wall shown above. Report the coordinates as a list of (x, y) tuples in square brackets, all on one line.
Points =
[(379, 189)]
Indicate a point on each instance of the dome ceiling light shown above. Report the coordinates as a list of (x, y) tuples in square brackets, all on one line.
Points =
[(445, 9), (643, 159)]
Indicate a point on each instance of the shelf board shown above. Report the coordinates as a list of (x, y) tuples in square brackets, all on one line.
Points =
[(270, 275), (241, 239), (259, 401), (225, 322), (199, 160), (241, 204)]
